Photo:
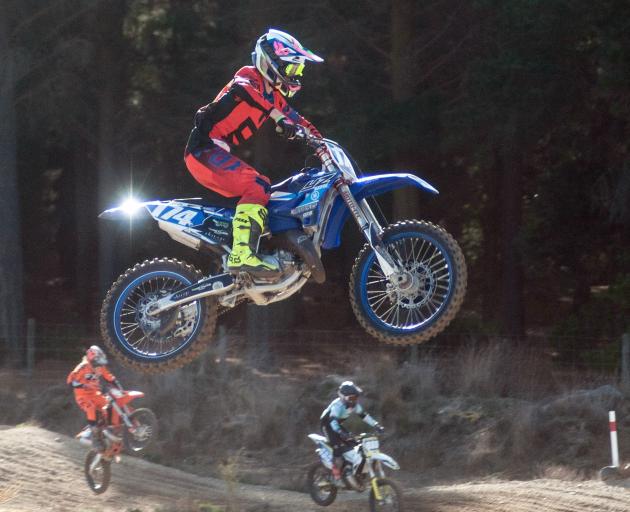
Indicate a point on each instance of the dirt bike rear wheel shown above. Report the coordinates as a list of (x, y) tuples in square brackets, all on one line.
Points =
[(155, 344), (97, 479), (423, 298), (321, 493), (145, 429), (391, 497)]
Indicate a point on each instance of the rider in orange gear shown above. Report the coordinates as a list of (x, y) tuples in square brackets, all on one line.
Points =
[(85, 381)]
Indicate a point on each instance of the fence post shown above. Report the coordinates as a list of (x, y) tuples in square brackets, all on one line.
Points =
[(30, 346), (625, 359)]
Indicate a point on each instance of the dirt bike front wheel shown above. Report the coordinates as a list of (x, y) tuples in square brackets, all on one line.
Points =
[(143, 431), (97, 477), (156, 343), (422, 298), (390, 499), (320, 487)]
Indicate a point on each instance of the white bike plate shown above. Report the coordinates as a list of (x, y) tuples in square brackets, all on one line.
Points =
[(370, 445)]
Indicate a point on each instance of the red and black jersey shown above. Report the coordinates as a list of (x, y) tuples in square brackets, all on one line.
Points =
[(240, 109)]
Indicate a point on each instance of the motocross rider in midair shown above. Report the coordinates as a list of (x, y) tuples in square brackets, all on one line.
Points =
[(255, 94), (346, 403), (85, 382)]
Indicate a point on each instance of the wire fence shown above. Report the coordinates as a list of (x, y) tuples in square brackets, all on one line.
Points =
[(37, 344)]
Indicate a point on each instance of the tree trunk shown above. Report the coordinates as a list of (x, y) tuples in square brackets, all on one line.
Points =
[(109, 22), (86, 238), (11, 302), (512, 317), (490, 221), (406, 200)]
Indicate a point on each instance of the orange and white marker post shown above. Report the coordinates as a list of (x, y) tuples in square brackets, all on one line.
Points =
[(614, 446)]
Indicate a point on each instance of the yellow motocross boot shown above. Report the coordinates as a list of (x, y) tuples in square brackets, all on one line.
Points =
[(247, 227)]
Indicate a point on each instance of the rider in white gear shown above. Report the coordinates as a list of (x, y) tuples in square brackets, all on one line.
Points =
[(332, 420)]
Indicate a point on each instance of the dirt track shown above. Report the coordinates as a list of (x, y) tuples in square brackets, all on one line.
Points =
[(41, 470)]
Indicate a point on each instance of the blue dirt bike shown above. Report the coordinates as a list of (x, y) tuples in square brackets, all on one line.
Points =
[(407, 284)]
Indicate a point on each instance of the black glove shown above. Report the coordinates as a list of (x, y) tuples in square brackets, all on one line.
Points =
[(379, 428), (286, 128)]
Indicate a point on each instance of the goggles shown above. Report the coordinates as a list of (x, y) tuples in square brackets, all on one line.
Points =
[(291, 70)]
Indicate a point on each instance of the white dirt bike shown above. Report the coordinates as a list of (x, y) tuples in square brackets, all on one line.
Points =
[(362, 469)]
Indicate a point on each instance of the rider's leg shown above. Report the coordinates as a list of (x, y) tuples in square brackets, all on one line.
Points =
[(247, 228), (90, 408), (338, 450), (226, 174), (336, 468)]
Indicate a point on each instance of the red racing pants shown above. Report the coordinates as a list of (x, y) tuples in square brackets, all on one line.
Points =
[(228, 175)]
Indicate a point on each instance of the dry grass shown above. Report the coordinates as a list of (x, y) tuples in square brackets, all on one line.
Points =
[(492, 408)]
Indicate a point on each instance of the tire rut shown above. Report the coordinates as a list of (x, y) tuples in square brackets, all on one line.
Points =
[(41, 470)]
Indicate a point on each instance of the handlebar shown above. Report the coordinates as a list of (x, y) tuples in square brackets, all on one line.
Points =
[(321, 147), (301, 133)]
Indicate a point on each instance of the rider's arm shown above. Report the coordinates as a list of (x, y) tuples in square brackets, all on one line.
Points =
[(365, 416), (335, 425), (246, 88), (334, 417), (282, 110), (74, 378), (107, 375)]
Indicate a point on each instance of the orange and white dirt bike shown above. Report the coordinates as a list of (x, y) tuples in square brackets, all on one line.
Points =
[(122, 427)]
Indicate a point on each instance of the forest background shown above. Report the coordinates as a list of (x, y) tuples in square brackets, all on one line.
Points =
[(518, 112)]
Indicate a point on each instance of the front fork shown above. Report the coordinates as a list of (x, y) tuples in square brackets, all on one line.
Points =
[(369, 226), (376, 472)]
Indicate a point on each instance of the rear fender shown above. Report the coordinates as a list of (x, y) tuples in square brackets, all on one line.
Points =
[(363, 188), (136, 211), (324, 450), (317, 439)]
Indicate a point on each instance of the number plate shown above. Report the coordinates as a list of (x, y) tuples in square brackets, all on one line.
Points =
[(370, 445)]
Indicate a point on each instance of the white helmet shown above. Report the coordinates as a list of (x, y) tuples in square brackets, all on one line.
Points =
[(96, 356), (349, 393), (280, 59)]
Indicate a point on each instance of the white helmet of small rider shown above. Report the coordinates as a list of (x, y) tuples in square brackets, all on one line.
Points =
[(349, 393), (280, 59), (96, 356)]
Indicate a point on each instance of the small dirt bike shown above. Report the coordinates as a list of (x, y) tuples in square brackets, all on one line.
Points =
[(363, 469), (407, 284), (121, 427)]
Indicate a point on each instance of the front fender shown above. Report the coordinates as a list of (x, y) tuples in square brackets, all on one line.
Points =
[(363, 188), (387, 460)]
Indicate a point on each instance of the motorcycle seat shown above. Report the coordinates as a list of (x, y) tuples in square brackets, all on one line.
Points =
[(212, 199)]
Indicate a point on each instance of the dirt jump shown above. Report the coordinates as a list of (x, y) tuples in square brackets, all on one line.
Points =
[(42, 470)]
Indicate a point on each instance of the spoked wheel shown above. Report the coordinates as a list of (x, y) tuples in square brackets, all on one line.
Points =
[(156, 343), (97, 474), (390, 499), (318, 480), (143, 432), (422, 298)]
